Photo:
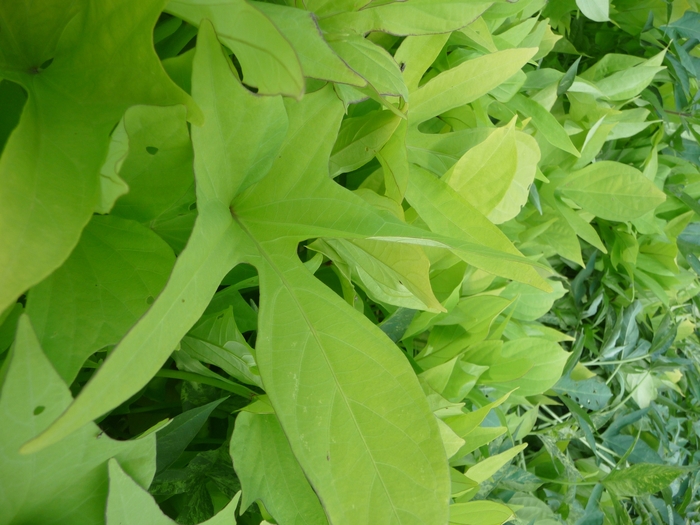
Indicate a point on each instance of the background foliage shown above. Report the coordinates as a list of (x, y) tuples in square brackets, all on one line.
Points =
[(349, 262)]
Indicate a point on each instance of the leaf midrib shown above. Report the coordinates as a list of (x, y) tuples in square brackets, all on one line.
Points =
[(316, 337)]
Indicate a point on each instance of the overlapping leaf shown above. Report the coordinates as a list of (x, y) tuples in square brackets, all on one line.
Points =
[(66, 482), (78, 91)]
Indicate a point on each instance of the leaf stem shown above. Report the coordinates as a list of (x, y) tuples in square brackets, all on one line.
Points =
[(597, 362), (235, 388), (577, 483)]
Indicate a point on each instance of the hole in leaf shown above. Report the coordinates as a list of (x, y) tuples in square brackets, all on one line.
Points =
[(35, 70), (149, 299), (237, 66), (38, 410), (151, 150), (192, 206)]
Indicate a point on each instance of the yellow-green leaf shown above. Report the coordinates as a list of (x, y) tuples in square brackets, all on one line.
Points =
[(612, 191)]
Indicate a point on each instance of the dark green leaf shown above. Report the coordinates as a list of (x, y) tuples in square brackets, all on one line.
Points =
[(592, 393), (568, 79), (172, 440)]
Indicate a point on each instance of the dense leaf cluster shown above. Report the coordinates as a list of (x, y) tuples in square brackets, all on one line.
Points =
[(349, 262)]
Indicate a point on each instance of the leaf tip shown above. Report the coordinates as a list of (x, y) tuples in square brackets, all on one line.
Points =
[(53, 434), (32, 446)]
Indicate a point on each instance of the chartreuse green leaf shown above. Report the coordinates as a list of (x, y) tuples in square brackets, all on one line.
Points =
[(517, 194), (641, 479), (596, 10), (130, 503), (628, 82), (31, 32), (246, 318), (371, 62), (547, 361), (439, 152), (218, 341), (476, 314), (576, 223), (485, 172), (465, 83), (347, 399), (453, 380), (384, 449), (461, 484), (610, 64), (348, 402), (467, 426), (65, 482), (107, 283), (553, 230), (268, 60), (360, 139), (545, 122), (415, 17), (612, 191), (390, 272), (112, 186), (49, 169), (317, 59), (531, 303), (452, 443), (280, 207), (467, 323), (394, 160), (323, 209), (158, 167), (489, 466), (269, 472), (479, 512), (416, 54), (329, 7), (212, 248), (448, 213), (234, 113), (515, 35), (8, 325), (179, 67), (595, 139)]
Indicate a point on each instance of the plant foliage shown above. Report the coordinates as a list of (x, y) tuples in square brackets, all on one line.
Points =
[(349, 262)]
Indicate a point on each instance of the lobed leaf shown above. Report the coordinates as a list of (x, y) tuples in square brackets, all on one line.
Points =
[(65, 482), (413, 17), (49, 169), (117, 270), (269, 62)]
